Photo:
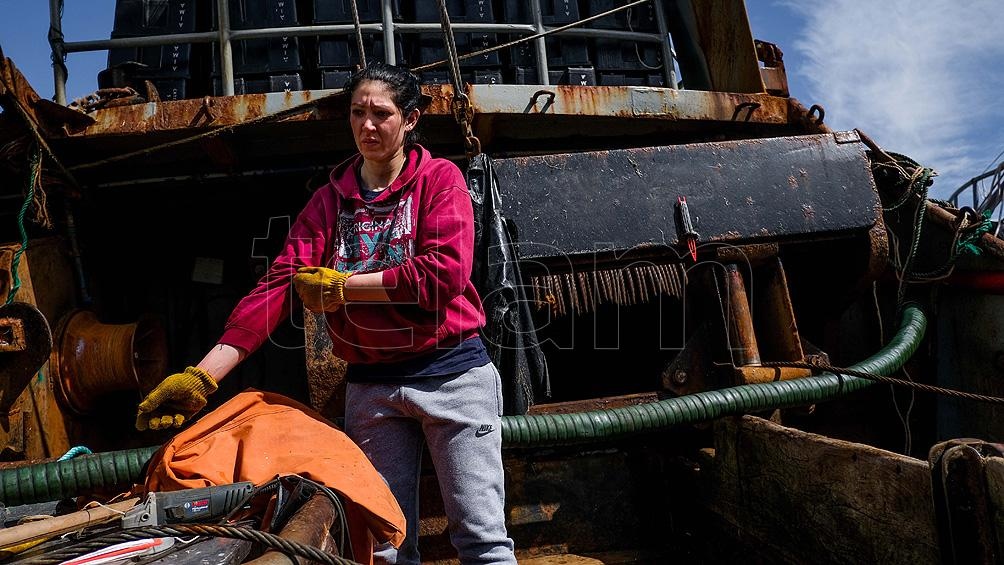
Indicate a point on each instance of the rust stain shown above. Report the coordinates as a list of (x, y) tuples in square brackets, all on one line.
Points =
[(570, 99), (594, 100), (440, 96), (533, 513), (727, 236), (808, 212), (792, 181)]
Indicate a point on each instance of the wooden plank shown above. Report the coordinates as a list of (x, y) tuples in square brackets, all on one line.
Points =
[(995, 491), (814, 499)]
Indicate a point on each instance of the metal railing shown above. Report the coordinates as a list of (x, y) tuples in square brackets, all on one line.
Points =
[(225, 36), (985, 193)]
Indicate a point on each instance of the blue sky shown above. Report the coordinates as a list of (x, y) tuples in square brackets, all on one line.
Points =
[(922, 77)]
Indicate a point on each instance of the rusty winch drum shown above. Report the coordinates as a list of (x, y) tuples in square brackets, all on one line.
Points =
[(91, 359)]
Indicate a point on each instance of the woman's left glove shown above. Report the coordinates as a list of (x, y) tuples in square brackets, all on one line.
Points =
[(320, 288), (175, 400)]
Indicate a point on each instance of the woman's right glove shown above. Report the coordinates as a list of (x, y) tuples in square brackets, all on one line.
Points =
[(176, 399), (321, 289)]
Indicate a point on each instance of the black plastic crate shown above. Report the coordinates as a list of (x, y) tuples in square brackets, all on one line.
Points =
[(335, 78), (430, 49), (261, 84), (631, 79), (561, 52), (341, 51), (262, 56), (482, 76), (165, 61), (256, 14), (617, 55), (579, 76), (636, 18), (340, 11), (552, 12), (171, 88), (153, 17), (461, 11)]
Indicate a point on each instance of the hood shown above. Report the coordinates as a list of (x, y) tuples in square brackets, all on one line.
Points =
[(343, 177)]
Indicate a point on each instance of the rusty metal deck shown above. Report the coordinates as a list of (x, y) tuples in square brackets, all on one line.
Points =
[(262, 132)]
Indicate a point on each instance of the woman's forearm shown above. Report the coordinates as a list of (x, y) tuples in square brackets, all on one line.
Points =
[(366, 287), (221, 359)]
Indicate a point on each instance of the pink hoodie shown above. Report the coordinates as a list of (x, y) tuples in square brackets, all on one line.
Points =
[(419, 232)]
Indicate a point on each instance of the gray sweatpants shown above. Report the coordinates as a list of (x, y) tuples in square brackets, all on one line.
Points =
[(460, 419)]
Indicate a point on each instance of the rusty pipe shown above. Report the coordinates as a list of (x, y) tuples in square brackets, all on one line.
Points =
[(742, 338), (310, 525)]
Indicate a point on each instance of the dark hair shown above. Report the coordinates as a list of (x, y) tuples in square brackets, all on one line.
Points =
[(403, 85)]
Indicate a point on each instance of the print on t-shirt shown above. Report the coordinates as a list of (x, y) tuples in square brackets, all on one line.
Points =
[(375, 237)]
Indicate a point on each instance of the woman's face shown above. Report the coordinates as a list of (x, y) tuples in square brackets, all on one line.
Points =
[(378, 127)]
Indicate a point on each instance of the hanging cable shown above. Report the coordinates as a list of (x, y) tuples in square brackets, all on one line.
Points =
[(461, 107), (359, 35)]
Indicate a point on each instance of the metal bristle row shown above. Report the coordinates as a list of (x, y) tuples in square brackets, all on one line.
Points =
[(583, 291)]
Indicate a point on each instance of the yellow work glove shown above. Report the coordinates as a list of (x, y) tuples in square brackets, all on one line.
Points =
[(320, 288), (176, 399)]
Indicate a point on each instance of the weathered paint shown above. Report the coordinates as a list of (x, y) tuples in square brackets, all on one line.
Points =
[(587, 101), (737, 191)]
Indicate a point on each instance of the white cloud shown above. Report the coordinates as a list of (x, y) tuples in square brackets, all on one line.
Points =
[(921, 77)]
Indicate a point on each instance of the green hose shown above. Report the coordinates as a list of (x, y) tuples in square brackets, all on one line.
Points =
[(562, 429), (64, 479), (52, 481)]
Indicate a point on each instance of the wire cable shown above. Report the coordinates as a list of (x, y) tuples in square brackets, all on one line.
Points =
[(288, 547), (359, 34), (841, 371), (531, 37)]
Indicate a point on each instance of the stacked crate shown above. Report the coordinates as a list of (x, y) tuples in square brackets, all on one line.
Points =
[(428, 47), (261, 65), (168, 67), (626, 63), (338, 55), (568, 60)]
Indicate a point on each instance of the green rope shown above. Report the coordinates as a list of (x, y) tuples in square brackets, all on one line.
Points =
[(36, 167), (967, 243)]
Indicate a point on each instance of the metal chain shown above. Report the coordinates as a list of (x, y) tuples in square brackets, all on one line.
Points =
[(460, 106), (888, 380), (183, 530)]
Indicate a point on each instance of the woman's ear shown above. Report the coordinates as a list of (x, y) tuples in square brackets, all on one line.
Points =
[(411, 120)]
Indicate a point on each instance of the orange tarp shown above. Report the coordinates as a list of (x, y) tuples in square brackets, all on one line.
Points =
[(256, 436)]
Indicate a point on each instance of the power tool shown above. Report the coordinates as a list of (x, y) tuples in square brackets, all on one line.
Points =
[(197, 505)]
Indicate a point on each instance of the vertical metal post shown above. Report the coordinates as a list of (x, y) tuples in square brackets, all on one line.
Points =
[(389, 53), (668, 64), (539, 43), (58, 70), (226, 50)]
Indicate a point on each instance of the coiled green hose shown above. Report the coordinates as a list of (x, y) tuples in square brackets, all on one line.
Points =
[(72, 477), (562, 429), (52, 481)]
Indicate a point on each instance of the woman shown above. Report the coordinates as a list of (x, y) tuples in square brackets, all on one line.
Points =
[(385, 250)]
